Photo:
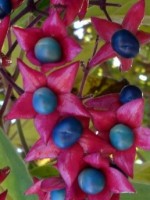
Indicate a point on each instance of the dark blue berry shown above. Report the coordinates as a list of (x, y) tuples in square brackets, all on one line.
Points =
[(125, 44), (48, 50), (58, 194), (129, 93), (121, 137), (67, 132), (44, 101), (5, 8), (91, 181)]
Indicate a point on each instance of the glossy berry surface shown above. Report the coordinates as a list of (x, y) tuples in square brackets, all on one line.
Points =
[(5, 8), (58, 194), (44, 101), (129, 93), (67, 132), (125, 44), (121, 137), (48, 50), (91, 181)]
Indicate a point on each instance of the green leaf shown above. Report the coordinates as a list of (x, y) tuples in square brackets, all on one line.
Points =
[(19, 179), (44, 171), (142, 192), (142, 173), (43, 4)]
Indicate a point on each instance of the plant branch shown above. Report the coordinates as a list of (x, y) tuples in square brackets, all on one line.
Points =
[(86, 72), (17, 17), (7, 97), (86, 68), (12, 48), (11, 81)]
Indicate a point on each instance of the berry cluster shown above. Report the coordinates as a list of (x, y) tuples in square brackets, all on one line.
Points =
[(93, 141)]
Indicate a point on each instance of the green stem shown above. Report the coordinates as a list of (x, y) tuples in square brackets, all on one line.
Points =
[(85, 75), (21, 136)]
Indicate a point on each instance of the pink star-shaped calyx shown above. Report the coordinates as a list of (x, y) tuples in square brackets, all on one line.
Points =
[(122, 40), (115, 181), (41, 92), (130, 116), (52, 37)]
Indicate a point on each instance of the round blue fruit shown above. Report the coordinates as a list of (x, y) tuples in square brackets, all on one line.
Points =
[(91, 181), (121, 137), (125, 44), (5, 8), (48, 50), (129, 93), (67, 132), (58, 194), (44, 101)]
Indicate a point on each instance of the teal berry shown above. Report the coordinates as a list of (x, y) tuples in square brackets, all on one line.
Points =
[(58, 194), (125, 44), (44, 101), (129, 93), (91, 181), (48, 50), (5, 8), (121, 137), (67, 132)]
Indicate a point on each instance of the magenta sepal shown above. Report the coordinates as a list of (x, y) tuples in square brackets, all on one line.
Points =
[(40, 150), (16, 3), (131, 113), (36, 189), (70, 163), (143, 138), (71, 9), (4, 25), (125, 160), (3, 195), (4, 173), (115, 197), (104, 102)]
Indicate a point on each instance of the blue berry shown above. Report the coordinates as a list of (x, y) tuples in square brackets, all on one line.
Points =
[(67, 132), (91, 181), (5, 8), (58, 194), (125, 44), (44, 101), (121, 137), (129, 93), (48, 50)]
